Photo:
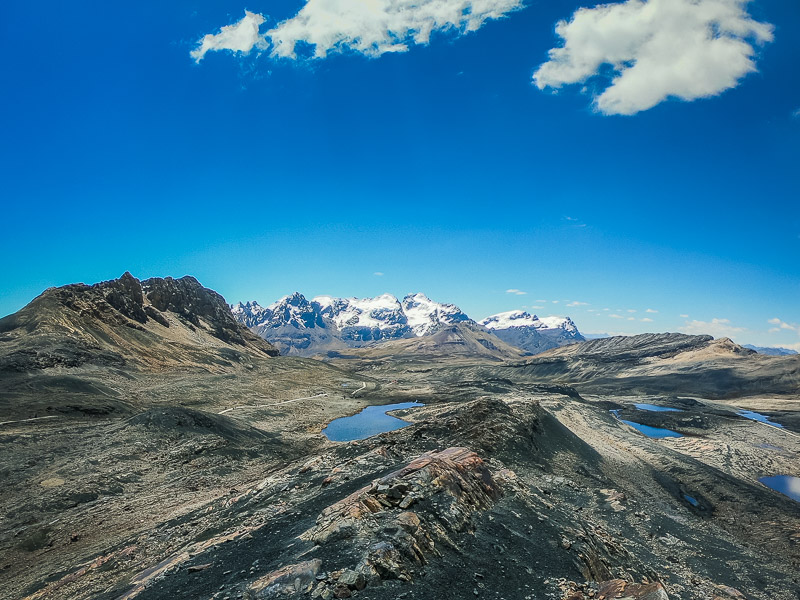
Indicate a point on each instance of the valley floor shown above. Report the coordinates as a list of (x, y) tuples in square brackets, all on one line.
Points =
[(500, 489)]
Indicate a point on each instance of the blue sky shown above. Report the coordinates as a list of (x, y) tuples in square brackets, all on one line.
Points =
[(443, 167)]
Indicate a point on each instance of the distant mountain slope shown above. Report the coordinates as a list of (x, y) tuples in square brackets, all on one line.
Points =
[(666, 363), (532, 333), (301, 327), (771, 351), (458, 342), (150, 324)]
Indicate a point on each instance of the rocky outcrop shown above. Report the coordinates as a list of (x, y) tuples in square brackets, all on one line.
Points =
[(191, 301), (617, 588), (389, 528), (633, 347), (113, 322)]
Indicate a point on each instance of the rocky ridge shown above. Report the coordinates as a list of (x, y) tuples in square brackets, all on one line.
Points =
[(151, 324)]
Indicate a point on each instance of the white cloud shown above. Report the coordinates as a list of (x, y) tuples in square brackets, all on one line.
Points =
[(370, 27), (646, 320), (556, 301), (536, 307), (651, 310), (783, 325), (684, 316), (576, 303), (631, 310), (239, 37), (516, 292), (378, 273), (715, 327), (658, 49), (616, 316), (374, 27)]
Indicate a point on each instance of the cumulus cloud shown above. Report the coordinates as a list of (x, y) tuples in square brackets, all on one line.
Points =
[(684, 316), (616, 316), (657, 49), (516, 292), (239, 37), (646, 320), (373, 27), (651, 310), (370, 27), (783, 325), (715, 327), (576, 303)]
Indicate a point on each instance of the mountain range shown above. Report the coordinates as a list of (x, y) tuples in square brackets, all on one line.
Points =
[(302, 327), (770, 350), (154, 447)]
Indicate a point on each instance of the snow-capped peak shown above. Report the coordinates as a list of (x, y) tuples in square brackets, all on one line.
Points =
[(303, 325), (296, 301), (511, 318), (564, 323), (424, 315), (383, 310), (249, 313), (520, 318)]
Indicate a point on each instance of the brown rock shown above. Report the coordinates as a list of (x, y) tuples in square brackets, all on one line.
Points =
[(619, 588), (287, 580), (340, 590), (725, 592)]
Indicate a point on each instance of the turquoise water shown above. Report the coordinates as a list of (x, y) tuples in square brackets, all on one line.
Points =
[(691, 500), (785, 484), (370, 421), (654, 408), (652, 432), (754, 416)]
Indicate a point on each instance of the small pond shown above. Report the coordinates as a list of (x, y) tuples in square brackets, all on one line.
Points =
[(691, 500), (785, 484), (651, 432), (654, 408), (370, 421), (754, 416)]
